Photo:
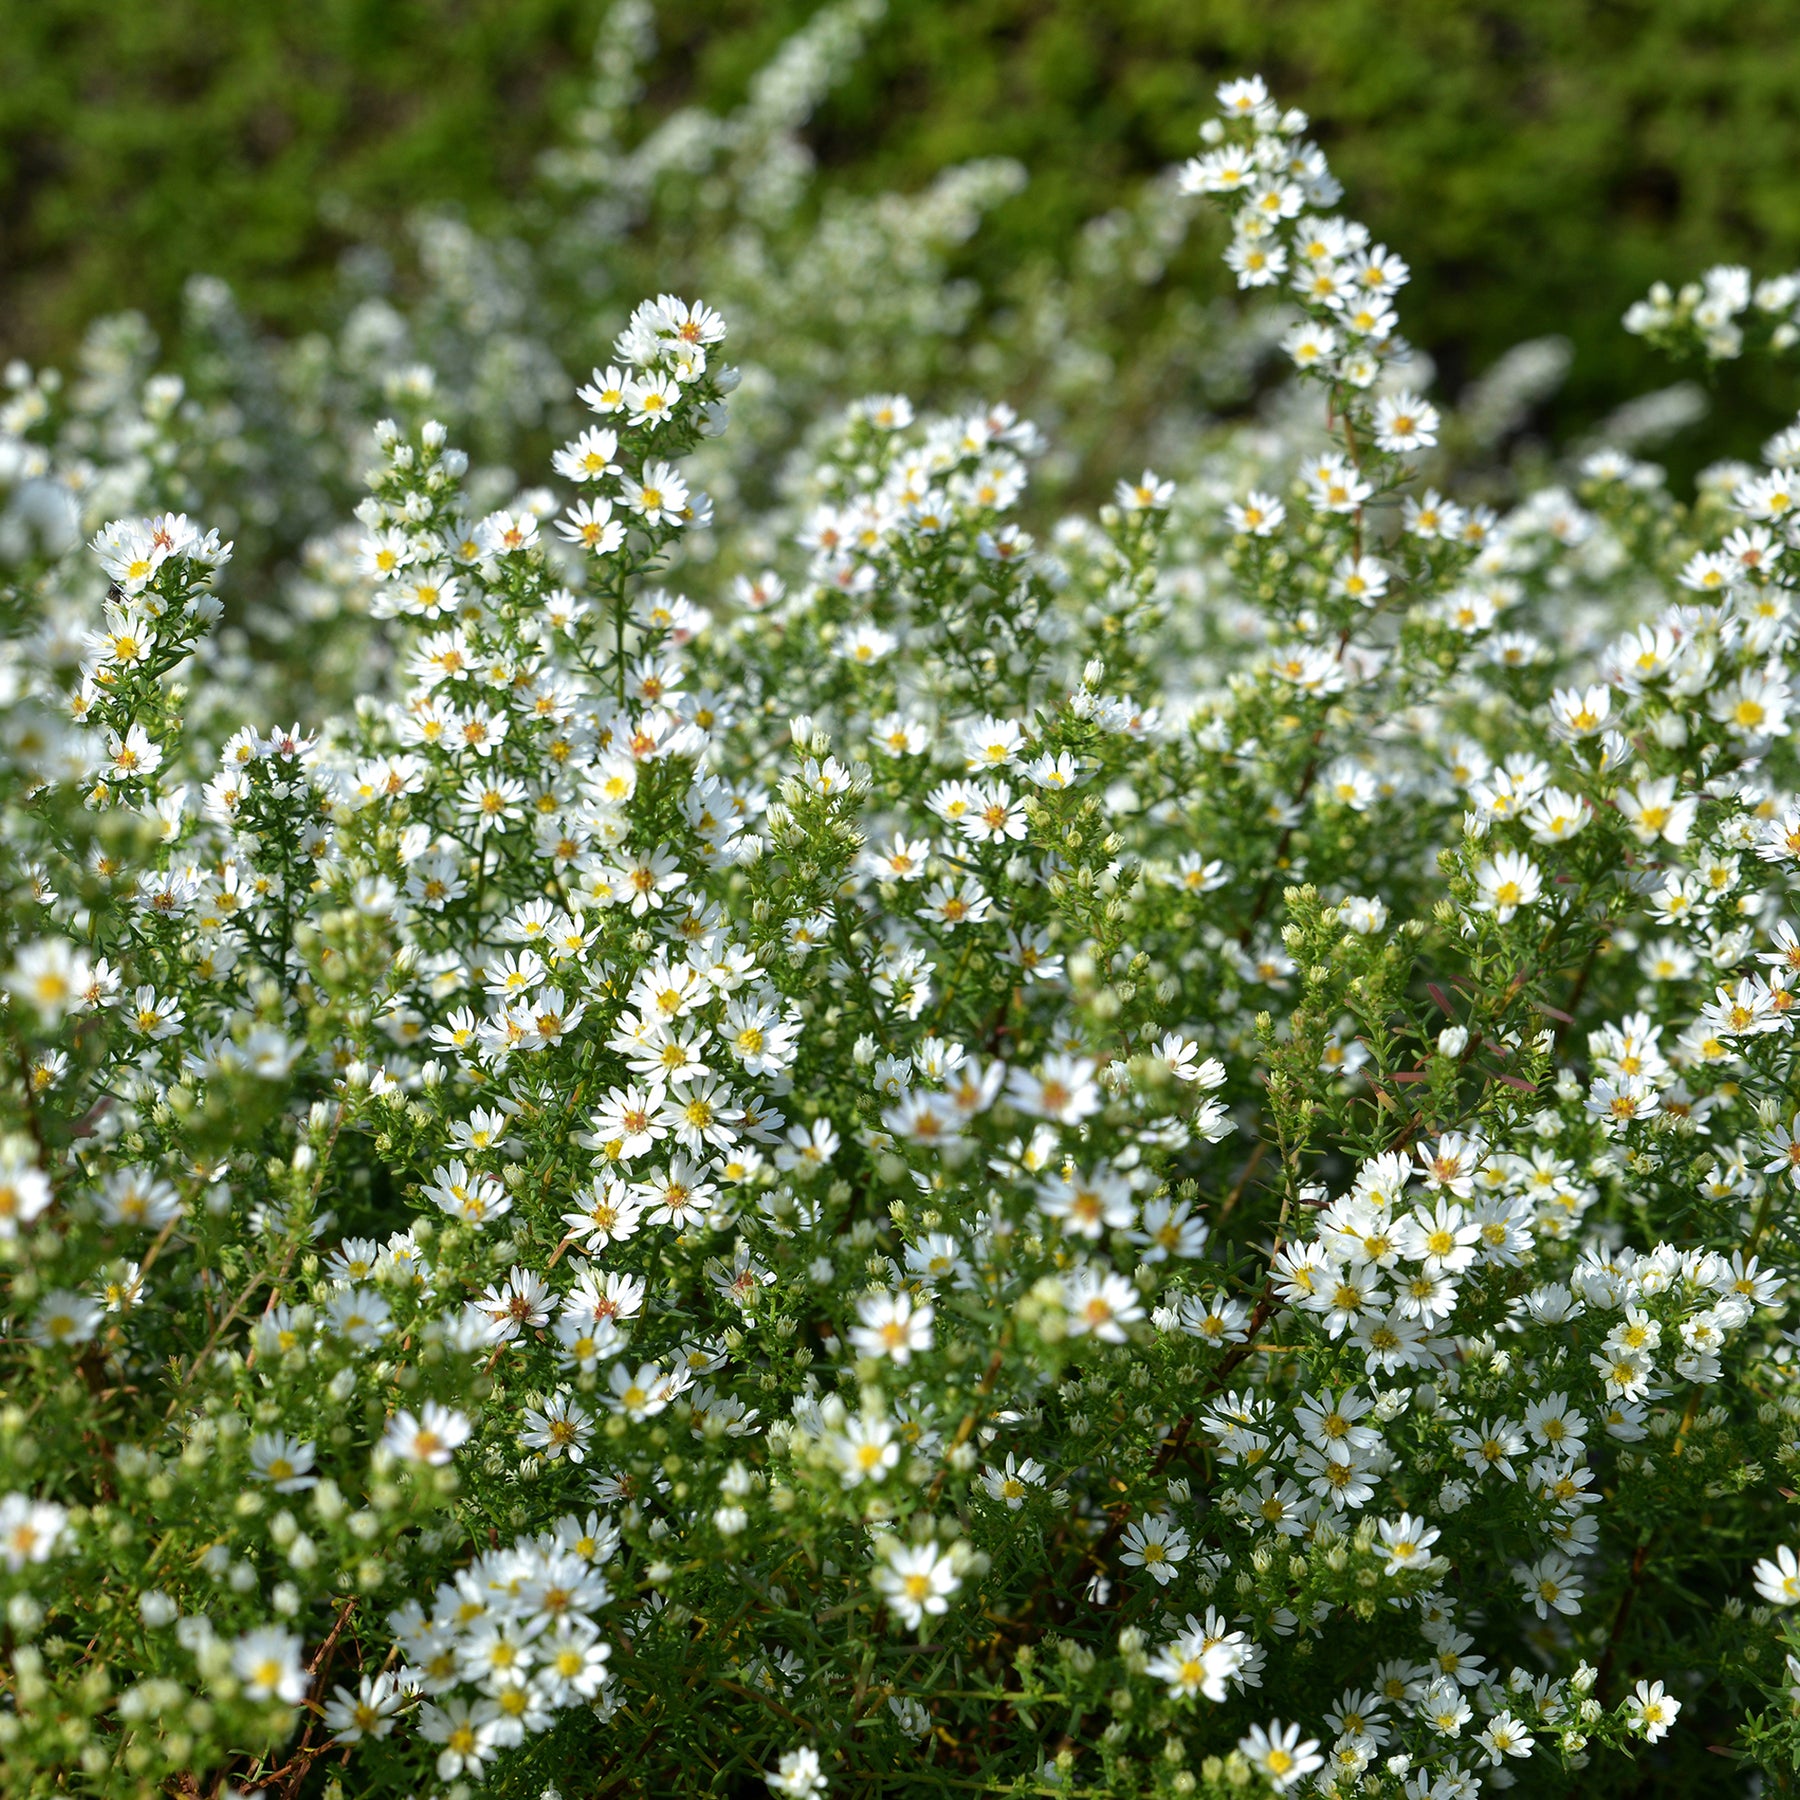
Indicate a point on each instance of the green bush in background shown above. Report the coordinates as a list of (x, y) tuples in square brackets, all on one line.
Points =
[(1559, 153)]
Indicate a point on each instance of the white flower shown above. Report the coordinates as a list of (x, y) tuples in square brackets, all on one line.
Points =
[(132, 755), (1011, 1484), (283, 1461), (469, 1732), (1279, 1754), (24, 1190), (66, 1320), (560, 1428), (502, 533), (867, 1451), (430, 1435), (1778, 1579), (651, 399), (892, 1326), (267, 1662), (31, 1530), (1405, 422), (1504, 1736), (1407, 1542), (1256, 515), (916, 1581), (1445, 1710), (1147, 494), (641, 1393), (1581, 712), (1653, 811), (1650, 1711), (1155, 1544), (590, 524), (1200, 1661), (1550, 1585), (1506, 883), (798, 1776), (1364, 915), (155, 1018), (157, 1609), (1062, 1088), (1101, 1304), (589, 457), (660, 497), (368, 1712), (51, 976)]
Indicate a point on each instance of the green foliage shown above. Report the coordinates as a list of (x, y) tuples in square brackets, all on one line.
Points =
[(142, 142), (1541, 160)]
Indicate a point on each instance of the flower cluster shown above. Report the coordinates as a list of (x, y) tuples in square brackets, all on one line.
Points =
[(1139, 1154), (832, 295), (1707, 316)]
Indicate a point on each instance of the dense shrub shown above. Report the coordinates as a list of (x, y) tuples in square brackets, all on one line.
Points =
[(1149, 1158)]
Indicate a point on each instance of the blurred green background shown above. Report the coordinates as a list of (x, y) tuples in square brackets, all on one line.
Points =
[(1539, 162)]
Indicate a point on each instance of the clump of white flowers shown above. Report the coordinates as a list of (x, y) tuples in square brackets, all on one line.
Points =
[(1708, 316), (1145, 1156)]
